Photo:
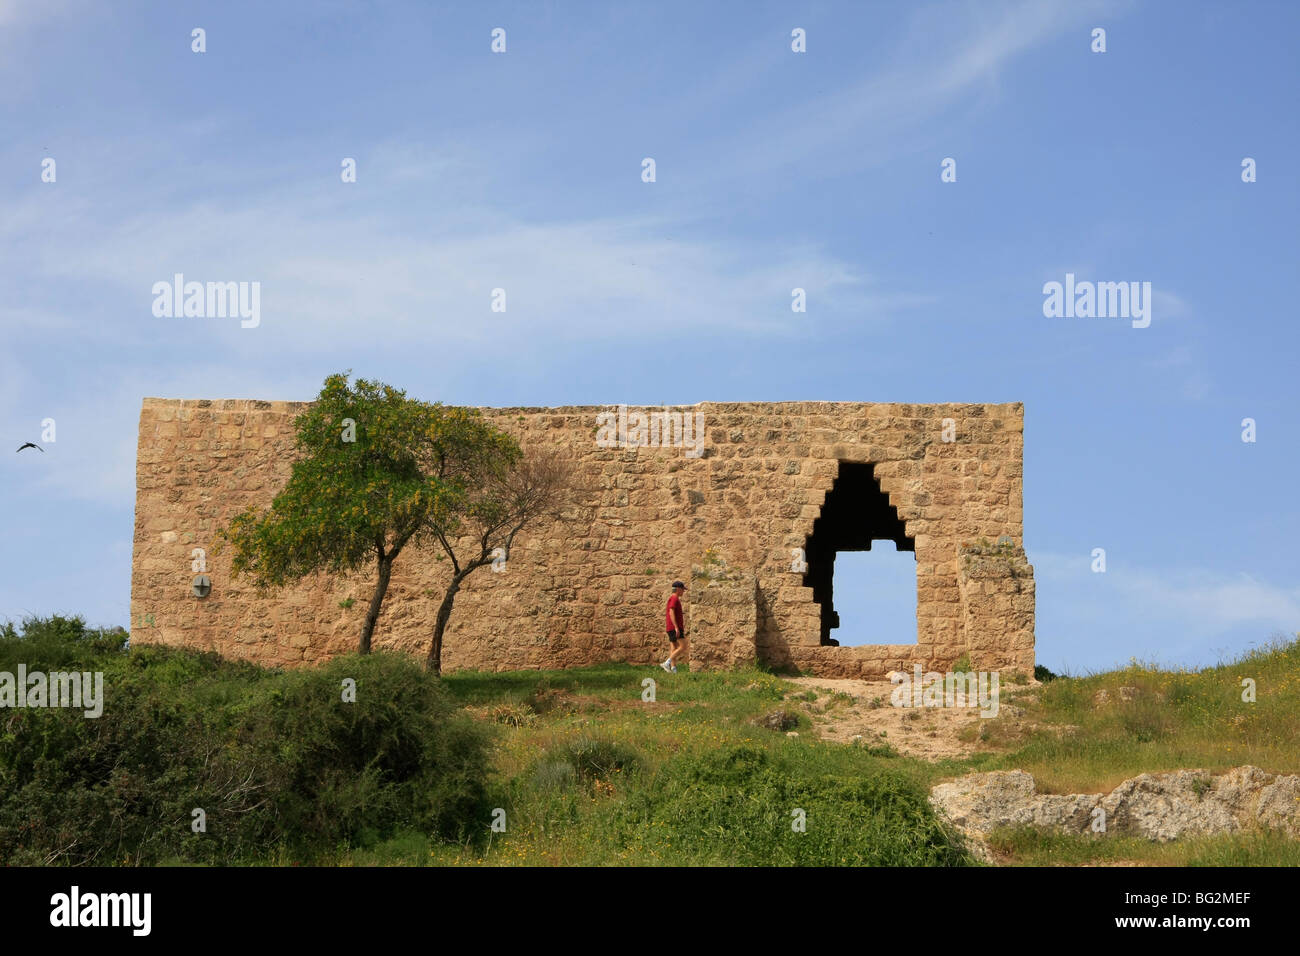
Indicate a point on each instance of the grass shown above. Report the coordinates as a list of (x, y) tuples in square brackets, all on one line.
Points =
[(1029, 847), (606, 778), (585, 769), (1177, 719), (663, 804)]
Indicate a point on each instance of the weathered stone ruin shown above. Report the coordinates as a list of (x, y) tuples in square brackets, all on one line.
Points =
[(749, 502)]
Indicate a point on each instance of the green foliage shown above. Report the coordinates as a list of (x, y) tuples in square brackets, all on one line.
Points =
[(396, 758), (1042, 674), (278, 762), (408, 467), (588, 772), (736, 806), (552, 774), (514, 715), (595, 758), (885, 751), (63, 641), (1030, 846), (585, 760), (374, 470), (1154, 719)]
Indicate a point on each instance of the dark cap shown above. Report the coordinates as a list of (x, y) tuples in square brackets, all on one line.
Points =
[(679, 584)]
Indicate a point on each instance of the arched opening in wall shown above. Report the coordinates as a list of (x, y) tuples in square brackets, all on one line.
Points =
[(857, 513)]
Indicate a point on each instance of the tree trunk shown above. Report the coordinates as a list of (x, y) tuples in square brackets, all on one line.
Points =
[(444, 613), (376, 602)]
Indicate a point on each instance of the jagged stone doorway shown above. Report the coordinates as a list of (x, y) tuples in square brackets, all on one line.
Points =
[(856, 513)]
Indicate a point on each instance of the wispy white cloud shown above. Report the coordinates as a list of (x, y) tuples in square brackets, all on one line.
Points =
[(1196, 614), (328, 270), (954, 52), (1215, 599)]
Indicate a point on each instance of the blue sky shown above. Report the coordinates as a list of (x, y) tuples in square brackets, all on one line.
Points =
[(775, 170)]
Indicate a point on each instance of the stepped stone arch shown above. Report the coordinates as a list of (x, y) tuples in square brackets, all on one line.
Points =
[(856, 513)]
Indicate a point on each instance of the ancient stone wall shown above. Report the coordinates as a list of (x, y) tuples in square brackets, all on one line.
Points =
[(730, 513)]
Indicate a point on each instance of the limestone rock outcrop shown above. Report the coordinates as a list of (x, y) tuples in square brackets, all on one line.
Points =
[(1159, 806)]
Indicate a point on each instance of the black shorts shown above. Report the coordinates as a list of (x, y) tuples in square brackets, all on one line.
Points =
[(676, 636)]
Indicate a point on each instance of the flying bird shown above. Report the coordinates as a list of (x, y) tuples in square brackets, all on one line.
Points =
[(31, 444)]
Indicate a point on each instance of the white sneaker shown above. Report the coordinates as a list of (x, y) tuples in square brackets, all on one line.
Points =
[(668, 666), (672, 668)]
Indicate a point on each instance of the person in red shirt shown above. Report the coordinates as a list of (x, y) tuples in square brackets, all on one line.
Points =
[(676, 625)]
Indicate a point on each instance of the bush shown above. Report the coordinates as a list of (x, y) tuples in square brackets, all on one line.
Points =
[(515, 715), (595, 758), (554, 775), (583, 759), (277, 761), (737, 806), (59, 642), (399, 757)]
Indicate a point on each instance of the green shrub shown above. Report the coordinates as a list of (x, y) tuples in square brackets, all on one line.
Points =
[(515, 715), (737, 806), (278, 762), (584, 759), (57, 642), (554, 775), (595, 758), (400, 756)]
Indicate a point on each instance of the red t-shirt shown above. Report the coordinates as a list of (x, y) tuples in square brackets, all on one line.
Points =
[(673, 614)]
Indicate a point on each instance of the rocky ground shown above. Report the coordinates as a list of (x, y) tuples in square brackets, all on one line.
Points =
[(1159, 807), (848, 709)]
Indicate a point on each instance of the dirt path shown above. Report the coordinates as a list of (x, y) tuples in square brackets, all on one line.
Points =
[(845, 709)]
